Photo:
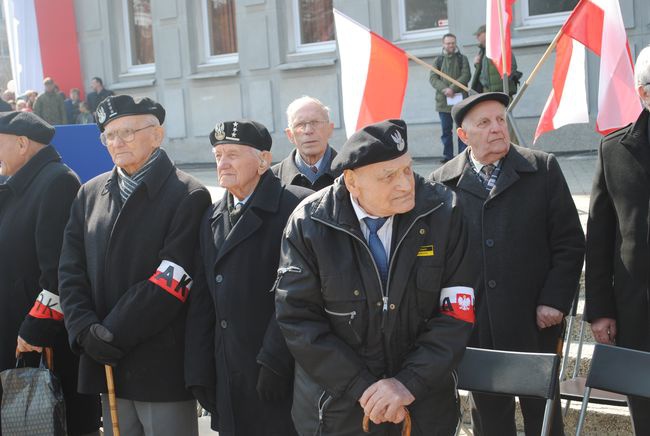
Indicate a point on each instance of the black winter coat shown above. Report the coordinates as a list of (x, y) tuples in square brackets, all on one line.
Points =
[(287, 171), (231, 324), (34, 209), (344, 337), (618, 248), (527, 237), (116, 269)]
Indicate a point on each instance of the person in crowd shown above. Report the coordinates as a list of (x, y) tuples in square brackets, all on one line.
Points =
[(72, 105), (84, 116), (98, 93), (49, 105)]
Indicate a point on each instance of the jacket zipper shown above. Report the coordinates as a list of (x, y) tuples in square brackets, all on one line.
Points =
[(352, 315), (384, 295), (281, 272), (321, 410)]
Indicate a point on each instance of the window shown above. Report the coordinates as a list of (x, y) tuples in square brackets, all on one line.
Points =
[(314, 25), (422, 18), (546, 12), (221, 30), (139, 34)]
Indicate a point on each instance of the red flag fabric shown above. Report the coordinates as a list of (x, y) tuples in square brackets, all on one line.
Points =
[(494, 33)]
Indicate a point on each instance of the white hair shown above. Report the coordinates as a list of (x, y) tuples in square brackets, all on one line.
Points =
[(300, 102), (642, 68)]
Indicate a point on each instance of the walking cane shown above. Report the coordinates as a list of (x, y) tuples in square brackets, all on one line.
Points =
[(406, 425), (112, 403)]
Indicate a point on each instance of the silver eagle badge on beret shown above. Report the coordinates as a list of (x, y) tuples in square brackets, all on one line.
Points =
[(219, 131), (399, 141), (101, 114)]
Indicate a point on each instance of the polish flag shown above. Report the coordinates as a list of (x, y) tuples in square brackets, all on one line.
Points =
[(493, 33), (42, 37), (373, 75), (598, 25)]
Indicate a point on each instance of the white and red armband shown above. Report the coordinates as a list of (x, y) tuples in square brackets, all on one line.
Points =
[(458, 302), (173, 279), (47, 306)]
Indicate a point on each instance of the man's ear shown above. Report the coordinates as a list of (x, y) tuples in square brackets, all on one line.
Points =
[(290, 136), (23, 145), (461, 134), (266, 158), (351, 183)]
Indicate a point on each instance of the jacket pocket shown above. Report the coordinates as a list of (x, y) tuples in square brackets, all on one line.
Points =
[(348, 319), (428, 280)]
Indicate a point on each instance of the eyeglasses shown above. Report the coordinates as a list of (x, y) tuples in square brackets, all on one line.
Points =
[(301, 127), (126, 135)]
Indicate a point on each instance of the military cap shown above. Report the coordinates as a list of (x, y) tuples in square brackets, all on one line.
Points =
[(462, 108), (242, 132), (118, 106), (481, 29), (375, 143), (26, 124)]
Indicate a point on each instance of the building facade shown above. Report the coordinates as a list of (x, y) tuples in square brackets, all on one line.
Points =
[(212, 60)]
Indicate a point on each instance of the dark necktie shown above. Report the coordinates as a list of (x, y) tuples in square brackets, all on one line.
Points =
[(314, 169), (376, 247), (485, 174), (235, 213)]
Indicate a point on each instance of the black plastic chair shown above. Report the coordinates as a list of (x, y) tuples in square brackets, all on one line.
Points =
[(533, 375), (619, 370)]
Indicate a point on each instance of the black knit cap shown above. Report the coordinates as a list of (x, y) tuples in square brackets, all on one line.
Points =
[(241, 132), (26, 124), (462, 108), (377, 142), (118, 106)]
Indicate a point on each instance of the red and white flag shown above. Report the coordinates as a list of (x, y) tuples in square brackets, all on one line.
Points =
[(373, 75), (597, 25), (493, 33), (42, 37)]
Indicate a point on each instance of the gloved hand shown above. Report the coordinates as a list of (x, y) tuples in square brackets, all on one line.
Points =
[(207, 397), (271, 386), (96, 342)]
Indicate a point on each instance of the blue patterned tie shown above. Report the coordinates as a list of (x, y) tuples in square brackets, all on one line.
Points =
[(376, 247)]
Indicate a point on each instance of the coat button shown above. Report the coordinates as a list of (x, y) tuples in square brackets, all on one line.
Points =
[(392, 307), (379, 304), (422, 231), (489, 242), (224, 324), (492, 284), (219, 278), (356, 292)]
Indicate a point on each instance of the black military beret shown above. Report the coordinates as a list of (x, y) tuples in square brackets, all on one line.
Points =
[(26, 124), (243, 132), (462, 108), (377, 142), (117, 106)]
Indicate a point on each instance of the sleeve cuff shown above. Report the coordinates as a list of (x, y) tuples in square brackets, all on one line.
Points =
[(412, 382), (363, 381)]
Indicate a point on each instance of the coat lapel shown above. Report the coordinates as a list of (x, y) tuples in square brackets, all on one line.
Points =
[(513, 164), (460, 171), (637, 142)]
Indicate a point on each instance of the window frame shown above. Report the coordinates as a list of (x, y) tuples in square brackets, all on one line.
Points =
[(429, 33), (208, 57), (130, 67), (542, 20), (311, 47)]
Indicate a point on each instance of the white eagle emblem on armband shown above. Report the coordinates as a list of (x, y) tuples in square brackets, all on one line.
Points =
[(464, 301)]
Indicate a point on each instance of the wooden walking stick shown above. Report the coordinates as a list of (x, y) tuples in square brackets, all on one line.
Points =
[(112, 402), (406, 425)]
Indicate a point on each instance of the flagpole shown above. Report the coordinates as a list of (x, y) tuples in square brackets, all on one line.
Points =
[(438, 72), (502, 36), (532, 75)]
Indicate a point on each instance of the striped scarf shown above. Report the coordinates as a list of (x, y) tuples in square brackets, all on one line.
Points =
[(128, 183)]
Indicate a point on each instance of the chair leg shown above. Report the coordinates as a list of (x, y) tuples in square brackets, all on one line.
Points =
[(567, 348), (583, 411), (548, 411)]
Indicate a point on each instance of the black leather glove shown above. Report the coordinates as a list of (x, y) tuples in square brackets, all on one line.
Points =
[(207, 398), (271, 386), (96, 342)]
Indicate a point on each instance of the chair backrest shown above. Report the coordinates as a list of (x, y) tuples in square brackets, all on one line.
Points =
[(509, 373), (620, 370)]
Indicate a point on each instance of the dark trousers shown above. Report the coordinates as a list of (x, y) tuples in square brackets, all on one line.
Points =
[(494, 415), (447, 137), (640, 411)]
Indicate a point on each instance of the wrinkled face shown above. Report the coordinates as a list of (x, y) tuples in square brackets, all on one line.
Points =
[(131, 155), (449, 44), (11, 159), (385, 188), (310, 130), (240, 167), (485, 130), (481, 39)]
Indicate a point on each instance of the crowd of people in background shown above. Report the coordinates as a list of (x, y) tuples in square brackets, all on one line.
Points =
[(52, 104)]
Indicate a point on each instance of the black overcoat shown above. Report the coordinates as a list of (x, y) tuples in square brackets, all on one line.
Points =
[(618, 250), (527, 236), (34, 209), (112, 263), (231, 324)]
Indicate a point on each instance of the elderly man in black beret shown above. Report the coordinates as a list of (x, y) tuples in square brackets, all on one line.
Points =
[(126, 272), (237, 362), (527, 239), (34, 208), (374, 294)]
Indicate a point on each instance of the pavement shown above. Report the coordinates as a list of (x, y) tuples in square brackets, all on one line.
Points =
[(578, 169)]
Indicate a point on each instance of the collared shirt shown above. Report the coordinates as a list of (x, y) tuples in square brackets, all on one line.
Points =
[(305, 168), (478, 166), (127, 184), (236, 200), (385, 234)]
